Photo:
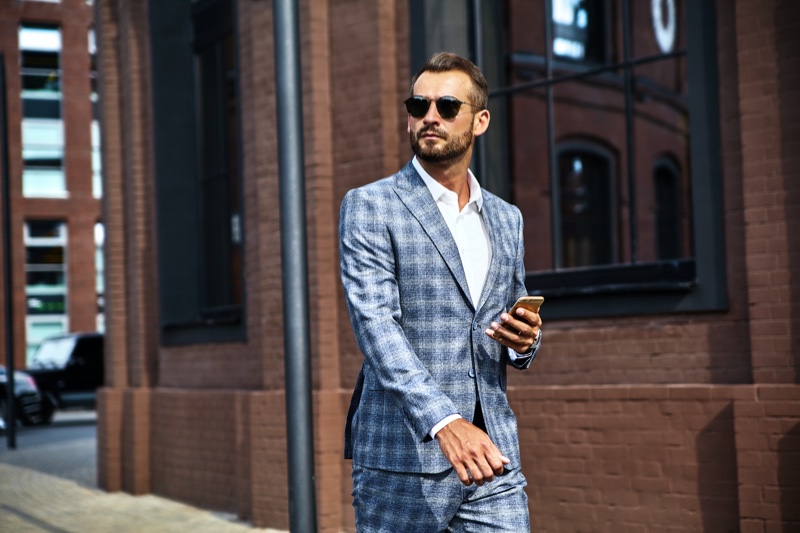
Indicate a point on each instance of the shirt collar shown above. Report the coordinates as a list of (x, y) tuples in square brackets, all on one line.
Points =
[(437, 189)]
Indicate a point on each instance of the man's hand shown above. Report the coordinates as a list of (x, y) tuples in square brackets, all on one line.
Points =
[(471, 452), (516, 332)]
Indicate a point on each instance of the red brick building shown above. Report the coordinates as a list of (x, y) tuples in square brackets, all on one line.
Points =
[(54, 170), (653, 150)]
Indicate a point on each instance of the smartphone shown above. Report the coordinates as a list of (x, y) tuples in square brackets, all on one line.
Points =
[(531, 303)]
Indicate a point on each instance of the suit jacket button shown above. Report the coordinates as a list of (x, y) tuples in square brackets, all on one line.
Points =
[(472, 372)]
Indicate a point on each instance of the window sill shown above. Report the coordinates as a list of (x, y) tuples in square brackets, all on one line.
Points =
[(652, 288)]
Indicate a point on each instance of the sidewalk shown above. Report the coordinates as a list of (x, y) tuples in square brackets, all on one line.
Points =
[(50, 487)]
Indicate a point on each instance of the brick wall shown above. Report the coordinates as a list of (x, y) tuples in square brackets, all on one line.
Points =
[(625, 458), (672, 458), (646, 424), (768, 452)]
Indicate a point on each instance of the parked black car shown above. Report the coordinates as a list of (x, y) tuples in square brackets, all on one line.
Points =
[(31, 407), (69, 368)]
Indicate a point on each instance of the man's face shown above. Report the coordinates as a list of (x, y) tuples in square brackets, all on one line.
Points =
[(435, 139)]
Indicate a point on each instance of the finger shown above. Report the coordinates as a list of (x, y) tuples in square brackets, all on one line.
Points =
[(475, 472), (524, 320), (464, 475), (498, 463), (506, 336), (487, 471), (497, 331)]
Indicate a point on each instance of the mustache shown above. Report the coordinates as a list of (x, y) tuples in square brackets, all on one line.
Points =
[(431, 129)]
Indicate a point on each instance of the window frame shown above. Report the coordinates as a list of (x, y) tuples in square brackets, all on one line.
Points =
[(54, 127), (56, 241), (696, 284)]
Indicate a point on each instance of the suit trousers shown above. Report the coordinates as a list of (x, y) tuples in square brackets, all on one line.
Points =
[(392, 502)]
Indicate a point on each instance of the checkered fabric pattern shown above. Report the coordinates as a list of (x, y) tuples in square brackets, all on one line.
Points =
[(426, 355)]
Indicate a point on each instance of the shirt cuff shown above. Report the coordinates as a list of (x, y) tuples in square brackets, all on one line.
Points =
[(446, 420)]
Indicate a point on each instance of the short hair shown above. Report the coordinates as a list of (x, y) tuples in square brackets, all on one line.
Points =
[(447, 62)]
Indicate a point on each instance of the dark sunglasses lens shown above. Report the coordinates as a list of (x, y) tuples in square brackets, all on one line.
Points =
[(417, 106), (448, 106)]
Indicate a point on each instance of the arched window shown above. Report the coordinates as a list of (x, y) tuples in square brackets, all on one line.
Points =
[(588, 224)]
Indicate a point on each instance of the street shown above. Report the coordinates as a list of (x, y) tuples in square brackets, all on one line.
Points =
[(66, 448)]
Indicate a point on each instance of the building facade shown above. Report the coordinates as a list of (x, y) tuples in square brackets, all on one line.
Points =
[(652, 147), (54, 170)]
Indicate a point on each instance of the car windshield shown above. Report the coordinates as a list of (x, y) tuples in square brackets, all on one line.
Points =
[(53, 353)]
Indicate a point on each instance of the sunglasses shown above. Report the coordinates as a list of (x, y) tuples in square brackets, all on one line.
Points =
[(447, 106)]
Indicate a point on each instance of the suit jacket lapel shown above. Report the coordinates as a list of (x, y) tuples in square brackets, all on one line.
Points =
[(417, 198)]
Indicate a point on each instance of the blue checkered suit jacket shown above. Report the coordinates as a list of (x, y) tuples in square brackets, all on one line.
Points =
[(426, 355)]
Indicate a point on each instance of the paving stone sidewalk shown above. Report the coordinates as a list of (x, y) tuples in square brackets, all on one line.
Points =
[(34, 502), (50, 487)]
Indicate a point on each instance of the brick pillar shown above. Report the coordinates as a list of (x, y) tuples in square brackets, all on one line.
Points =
[(768, 456), (109, 439), (768, 94)]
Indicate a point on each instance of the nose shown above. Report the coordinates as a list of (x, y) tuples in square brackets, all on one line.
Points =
[(432, 115)]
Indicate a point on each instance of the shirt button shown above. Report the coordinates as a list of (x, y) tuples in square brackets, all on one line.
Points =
[(472, 372)]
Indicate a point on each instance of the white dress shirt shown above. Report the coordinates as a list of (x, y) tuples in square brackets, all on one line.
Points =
[(467, 228)]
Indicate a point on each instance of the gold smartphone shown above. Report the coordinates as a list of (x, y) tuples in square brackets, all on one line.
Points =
[(531, 303)]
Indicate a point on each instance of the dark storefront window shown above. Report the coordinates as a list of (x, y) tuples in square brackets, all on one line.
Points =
[(197, 146), (605, 134), (218, 160)]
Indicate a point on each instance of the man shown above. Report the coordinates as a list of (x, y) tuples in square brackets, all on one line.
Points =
[(430, 263)]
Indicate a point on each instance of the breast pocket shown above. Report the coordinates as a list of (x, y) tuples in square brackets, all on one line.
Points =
[(504, 280)]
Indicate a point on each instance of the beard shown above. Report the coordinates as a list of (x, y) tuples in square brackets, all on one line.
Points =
[(453, 148)]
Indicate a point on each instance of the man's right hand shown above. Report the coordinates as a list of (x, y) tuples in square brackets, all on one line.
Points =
[(471, 452)]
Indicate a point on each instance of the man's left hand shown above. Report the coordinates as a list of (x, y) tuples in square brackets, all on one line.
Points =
[(516, 332)]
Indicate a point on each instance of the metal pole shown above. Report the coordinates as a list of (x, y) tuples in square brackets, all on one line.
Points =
[(11, 420), (555, 183), (477, 53), (299, 421), (630, 159)]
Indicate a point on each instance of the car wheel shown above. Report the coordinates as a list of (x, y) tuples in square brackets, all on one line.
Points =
[(42, 418)]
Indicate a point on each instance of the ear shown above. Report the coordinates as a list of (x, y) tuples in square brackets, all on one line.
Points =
[(480, 122), (408, 124)]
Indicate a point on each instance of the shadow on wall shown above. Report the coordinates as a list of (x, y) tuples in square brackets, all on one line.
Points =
[(789, 478), (717, 481), (787, 14), (729, 354)]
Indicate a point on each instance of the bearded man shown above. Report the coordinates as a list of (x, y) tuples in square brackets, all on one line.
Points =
[(430, 264)]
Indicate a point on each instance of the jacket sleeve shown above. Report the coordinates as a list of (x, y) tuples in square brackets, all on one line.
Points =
[(368, 270)]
